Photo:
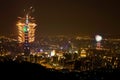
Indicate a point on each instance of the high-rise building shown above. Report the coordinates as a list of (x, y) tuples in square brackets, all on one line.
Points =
[(26, 31)]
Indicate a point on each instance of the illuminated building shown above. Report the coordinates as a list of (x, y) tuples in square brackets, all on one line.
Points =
[(26, 25), (26, 31), (53, 53), (83, 53)]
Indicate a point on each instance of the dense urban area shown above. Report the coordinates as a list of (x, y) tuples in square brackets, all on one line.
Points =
[(59, 40), (66, 54)]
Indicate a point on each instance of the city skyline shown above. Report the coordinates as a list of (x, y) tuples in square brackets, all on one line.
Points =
[(63, 17)]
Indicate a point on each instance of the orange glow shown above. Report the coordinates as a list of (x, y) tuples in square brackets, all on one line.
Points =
[(31, 29)]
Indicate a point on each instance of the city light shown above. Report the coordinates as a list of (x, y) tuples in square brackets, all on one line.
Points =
[(26, 25), (83, 53), (53, 53)]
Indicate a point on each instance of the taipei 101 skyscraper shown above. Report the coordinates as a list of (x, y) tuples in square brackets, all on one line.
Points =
[(26, 32)]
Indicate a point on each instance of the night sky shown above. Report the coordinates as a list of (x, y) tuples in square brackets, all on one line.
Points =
[(63, 16)]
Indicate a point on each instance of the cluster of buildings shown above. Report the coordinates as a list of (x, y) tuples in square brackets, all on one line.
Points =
[(69, 52)]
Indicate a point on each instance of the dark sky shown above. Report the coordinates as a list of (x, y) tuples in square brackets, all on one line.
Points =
[(63, 16)]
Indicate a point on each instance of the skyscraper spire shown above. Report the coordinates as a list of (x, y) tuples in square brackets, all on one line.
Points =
[(26, 31), (27, 19)]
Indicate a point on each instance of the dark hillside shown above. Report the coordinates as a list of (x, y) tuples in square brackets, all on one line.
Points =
[(24, 70)]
